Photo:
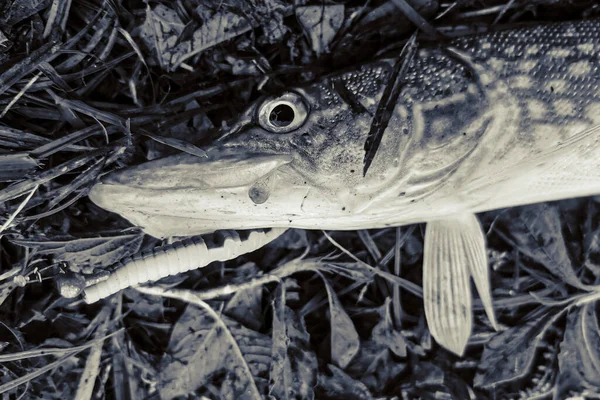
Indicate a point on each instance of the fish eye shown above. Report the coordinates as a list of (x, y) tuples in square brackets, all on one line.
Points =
[(283, 114)]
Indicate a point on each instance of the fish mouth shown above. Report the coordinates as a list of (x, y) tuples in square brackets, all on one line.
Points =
[(185, 195), (185, 170)]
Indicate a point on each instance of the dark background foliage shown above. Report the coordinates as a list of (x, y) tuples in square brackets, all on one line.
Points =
[(87, 87)]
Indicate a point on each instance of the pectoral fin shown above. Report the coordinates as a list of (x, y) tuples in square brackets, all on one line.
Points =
[(454, 251)]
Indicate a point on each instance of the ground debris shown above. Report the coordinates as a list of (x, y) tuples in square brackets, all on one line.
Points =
[(89, 87)]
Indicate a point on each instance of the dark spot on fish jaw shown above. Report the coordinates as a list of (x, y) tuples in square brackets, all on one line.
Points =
[(258, 194), (260, 191)]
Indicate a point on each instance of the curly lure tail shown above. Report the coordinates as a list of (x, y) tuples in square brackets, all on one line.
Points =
[(180, 257)]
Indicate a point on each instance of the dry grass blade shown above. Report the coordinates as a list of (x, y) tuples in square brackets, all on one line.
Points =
[(388, 102), (396, 280), (416, 18), (13, 166), (178, 144), (50, 72), (83, 252), (100, 29), (17, 189), (49, 367), (85, 389), (10, 219), (46, 53), (55, 351), (57, 19), (16, 98), (66, 142), (80, 106), (18, 139), (370, 244), (40, 371)]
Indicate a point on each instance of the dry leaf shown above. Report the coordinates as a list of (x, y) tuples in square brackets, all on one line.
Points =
[(321, 23), (375, 366), (537, 232), (201, 347), (245, 305), (579, 357), (163, 30), (385, 334), (342, 386), (345, 342), (509, 355), (294, 367)]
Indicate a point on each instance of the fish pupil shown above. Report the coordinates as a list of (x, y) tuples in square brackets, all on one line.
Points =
[(282, 115)]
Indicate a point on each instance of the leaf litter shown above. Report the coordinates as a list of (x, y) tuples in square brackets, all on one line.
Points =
[(89, 87)]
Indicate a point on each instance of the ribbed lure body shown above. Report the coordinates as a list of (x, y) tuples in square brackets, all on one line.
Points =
[(179, 257)]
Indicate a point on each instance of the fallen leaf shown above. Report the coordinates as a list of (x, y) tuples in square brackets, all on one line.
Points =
[(342, 386), (294, 368), (321, 23), (537, 232), (245, 305), (201, 347), (385, 334), (163, 28), (375, 366), (579, 357), (345, 342), (509, 355)]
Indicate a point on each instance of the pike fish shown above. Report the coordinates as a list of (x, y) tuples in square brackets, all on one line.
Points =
[(482, 122)]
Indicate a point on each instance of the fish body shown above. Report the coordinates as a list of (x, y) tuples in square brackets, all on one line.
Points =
[(482, 122), (472, 118)]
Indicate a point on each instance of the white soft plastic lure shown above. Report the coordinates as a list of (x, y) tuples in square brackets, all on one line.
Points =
[(179, 257), (483, 122)]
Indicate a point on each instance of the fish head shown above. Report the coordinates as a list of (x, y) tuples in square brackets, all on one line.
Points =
[(295, 159)]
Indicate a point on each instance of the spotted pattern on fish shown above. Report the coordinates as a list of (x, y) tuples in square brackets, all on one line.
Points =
[(563, 72)]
